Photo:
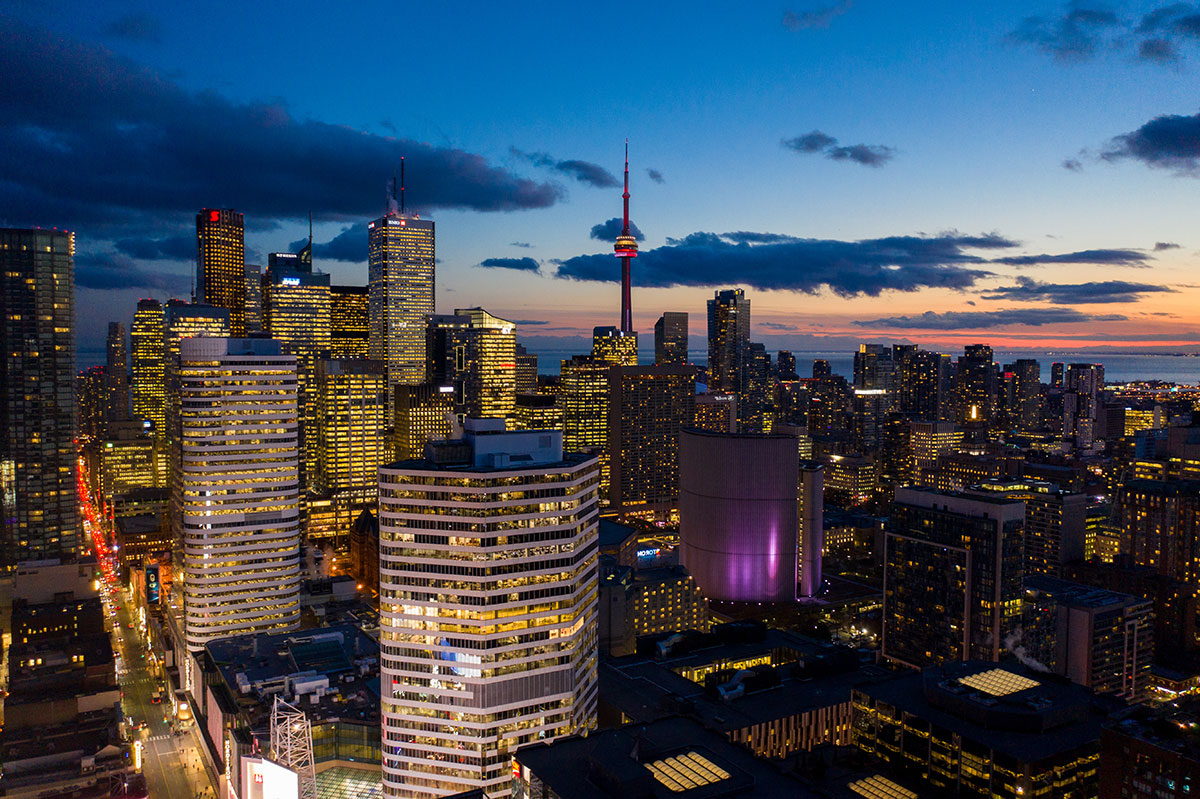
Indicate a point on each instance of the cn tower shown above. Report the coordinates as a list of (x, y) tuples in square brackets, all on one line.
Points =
[(625, 249)]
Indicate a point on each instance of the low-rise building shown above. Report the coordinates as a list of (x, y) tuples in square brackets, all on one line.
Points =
[(981, 729)]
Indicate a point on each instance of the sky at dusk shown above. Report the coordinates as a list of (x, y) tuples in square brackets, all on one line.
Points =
[(1026, 174)]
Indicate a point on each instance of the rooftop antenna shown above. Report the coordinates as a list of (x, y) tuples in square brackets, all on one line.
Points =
[(401, 185), (310, 231)]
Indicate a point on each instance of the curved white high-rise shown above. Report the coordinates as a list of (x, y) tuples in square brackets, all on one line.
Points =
[(488, 554), (236, 493)]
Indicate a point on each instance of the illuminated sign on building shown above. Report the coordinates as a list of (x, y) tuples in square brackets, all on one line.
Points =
[(152, 584)]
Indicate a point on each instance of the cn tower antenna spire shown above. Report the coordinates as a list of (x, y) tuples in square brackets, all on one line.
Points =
[(625, 196), (626, 249)]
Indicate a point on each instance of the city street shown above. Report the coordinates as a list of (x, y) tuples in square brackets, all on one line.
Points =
[(171, 762)]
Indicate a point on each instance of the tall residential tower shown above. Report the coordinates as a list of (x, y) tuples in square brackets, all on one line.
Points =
[(38, 514)]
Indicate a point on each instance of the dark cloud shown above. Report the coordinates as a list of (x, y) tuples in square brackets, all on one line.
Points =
[(815, 18), (1072, 165), (776, 326), (1168, 142), (1159, 50), (524, 245), (91, 140), (1107, 291), (610, 229), (1159, 246), (819, 142), (530, 322), (1084, 29), (980, 320), (522, 264), (137, 26), (1075, 35), (655, 175), (583, 171), (181, 247), (813, 142), (865, 154), (752, 237), (1098, 257), (848, 268), (350, 246), (110, 272)]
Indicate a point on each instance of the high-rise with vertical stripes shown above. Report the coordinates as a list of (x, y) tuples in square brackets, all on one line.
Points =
[(236, 493), (400, 292)]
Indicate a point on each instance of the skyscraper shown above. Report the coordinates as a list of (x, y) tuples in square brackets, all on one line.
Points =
[(296, 313), (584, 399), (812, 527), (615, 346), (491, 640), (671, 339), (237, 490), (349, 332), (527, 371), (976, 385), (38, 513), (423, 413), (476, 353), (254, 321), (149, 365), (116, 375), (626, 248), (960, 556), (648, 407), (221, 264), (728, 340), (401, 281), (1081, 399), (351, 413), (756, 408)]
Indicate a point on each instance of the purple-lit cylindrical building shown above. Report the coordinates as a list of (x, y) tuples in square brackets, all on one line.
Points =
[(739, 514)]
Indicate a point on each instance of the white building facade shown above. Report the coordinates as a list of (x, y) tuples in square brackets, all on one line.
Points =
[(488, 606), (236, 493)]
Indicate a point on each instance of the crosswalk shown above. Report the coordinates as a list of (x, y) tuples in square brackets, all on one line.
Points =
[(163, 737)]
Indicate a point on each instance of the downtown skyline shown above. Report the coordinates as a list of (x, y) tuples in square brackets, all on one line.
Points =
[(852, 170)]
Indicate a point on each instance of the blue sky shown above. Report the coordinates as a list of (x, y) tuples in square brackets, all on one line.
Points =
[(974, 106)]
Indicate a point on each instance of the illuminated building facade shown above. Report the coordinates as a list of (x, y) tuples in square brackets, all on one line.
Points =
[(39, 518), (116, 375), (928, 441), (221, 264), (185, 320), (476, 353), (89, 399), (976, 385), (615, 346), (1082, 385), (812, 527), (254, 321), (716, 413), (237, 492), (488, 607), (1160, 527), (1103, 640), (648, 407), (756, 404), (728, 339), (671, 339), (923, 385), (739, 514), (149, 365), (296, 313), (401, 282), (349, 332), (1055, 522), (352, 411), (537, 412), (961, 555), (638, 602), (850, 480), (527, 371), (584, 399), (423, 414), (977, 729)]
